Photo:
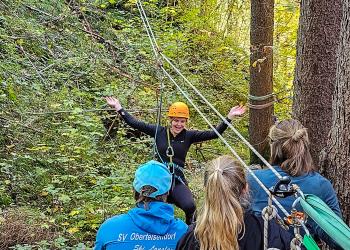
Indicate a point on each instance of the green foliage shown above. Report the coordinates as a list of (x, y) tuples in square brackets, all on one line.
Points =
[(286, 23), (57, 61)]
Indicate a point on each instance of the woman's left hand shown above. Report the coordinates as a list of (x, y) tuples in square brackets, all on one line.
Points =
[(235, 111)]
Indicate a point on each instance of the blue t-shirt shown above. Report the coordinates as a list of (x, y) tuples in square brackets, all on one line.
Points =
[(140, 229), (311, 183)]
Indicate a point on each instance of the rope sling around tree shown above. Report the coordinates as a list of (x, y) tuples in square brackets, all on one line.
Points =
[(308, 241)]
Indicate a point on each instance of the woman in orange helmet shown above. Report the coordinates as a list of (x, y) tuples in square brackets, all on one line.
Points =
[(173, 143)]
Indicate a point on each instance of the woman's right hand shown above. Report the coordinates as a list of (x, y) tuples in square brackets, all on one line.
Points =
[(113, 103)]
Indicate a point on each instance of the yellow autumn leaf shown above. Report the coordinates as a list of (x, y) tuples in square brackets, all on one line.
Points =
[(44, 193), (74, 212), (20, 41), (73, 230), (66, 223)]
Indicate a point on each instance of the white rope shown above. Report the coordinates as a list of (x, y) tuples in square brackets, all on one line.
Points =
[(268, 213), (155, 49), (149, 26), (148, 29)]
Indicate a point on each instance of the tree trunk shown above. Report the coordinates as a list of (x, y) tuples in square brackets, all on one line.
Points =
[(261, 62), (336, 156), (315, 73)]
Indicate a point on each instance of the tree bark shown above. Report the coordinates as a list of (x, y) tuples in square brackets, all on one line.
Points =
[(336, 156), (261, 70), (315, 73)]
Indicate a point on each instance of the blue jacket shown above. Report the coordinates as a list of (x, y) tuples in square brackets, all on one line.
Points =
[(311, 183), (142, 229)]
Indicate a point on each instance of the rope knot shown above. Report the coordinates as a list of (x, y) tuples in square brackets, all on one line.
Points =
[(269, 212)]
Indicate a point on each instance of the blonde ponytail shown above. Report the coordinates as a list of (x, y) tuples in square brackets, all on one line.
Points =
[(290, 147), (220, 219)]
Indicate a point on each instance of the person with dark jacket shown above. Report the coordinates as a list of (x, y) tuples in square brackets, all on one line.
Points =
[(225, 221), (179, 139), (151, 224), (290, 156)]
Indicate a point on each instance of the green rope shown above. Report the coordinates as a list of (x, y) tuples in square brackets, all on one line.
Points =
[(331, 223), (260, 98)]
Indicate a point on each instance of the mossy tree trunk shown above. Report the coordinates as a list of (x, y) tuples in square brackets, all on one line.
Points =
[(261, 70), (315, 73)]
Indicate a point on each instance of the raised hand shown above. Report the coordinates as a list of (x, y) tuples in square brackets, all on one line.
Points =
[(235, 111), (113, 102)]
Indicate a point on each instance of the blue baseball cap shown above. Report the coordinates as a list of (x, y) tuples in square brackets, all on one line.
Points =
[(155, 174)]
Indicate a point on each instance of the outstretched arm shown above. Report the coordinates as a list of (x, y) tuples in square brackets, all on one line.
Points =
[(198, 136), (146, 128)]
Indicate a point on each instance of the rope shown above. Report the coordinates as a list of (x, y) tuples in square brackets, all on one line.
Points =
[(144, 16), (261, 106), (83, 111), (268, 213), (260, 98), (155, 49), (159, 116), (148, 30)]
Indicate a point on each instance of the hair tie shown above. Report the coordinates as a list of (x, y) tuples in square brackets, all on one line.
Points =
[(219, 170)]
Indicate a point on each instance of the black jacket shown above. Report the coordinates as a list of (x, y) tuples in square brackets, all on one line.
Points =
[(181, 143), (253, 239)]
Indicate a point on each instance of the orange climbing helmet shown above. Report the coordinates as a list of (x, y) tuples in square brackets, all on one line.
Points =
[(179, 109)]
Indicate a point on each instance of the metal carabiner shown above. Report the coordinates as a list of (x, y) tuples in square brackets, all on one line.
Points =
[(283, 188)]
